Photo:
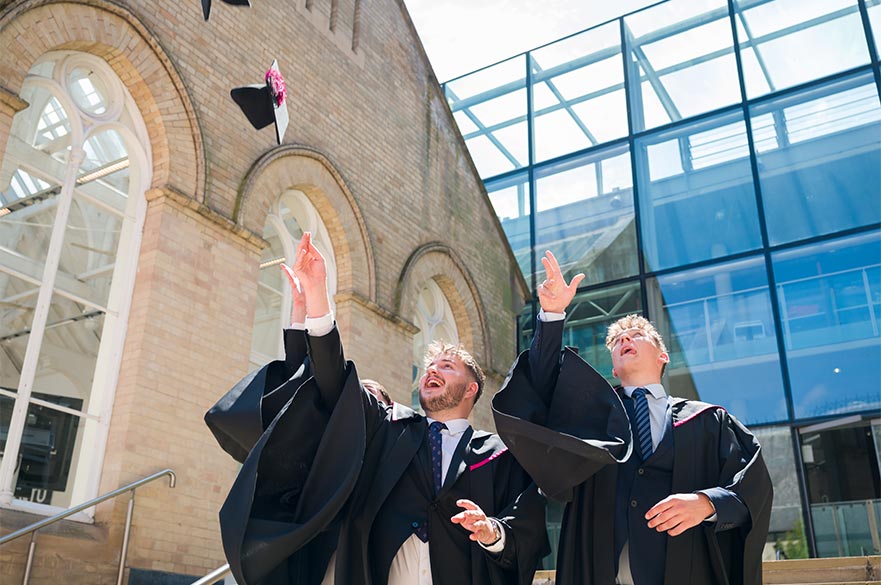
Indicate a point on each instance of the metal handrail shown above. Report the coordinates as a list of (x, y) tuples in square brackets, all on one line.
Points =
[(214, 575), (33, 528)]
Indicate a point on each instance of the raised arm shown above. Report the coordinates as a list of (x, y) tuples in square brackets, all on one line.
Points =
[(325, 350), (554, 295)]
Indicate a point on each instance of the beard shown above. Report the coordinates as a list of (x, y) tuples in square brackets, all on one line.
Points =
[(451, 398)]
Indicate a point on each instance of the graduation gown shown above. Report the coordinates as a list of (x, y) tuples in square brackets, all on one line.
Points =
[(561, 406), (324, 466)]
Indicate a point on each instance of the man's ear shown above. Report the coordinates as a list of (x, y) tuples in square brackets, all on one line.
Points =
[(664, 358), (614, 373), (472, 389)]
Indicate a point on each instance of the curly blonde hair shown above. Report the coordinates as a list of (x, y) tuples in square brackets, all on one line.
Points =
[(437, 348), (634, 322)]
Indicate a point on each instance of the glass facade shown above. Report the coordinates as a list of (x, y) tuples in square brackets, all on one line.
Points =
[(716, 166)]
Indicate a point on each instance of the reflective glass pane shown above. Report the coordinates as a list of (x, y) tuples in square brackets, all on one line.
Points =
[(88, 257), (526, 326), (873, 8), (51, 452), (696, 193), (268, 320), (69, 350), (578, 92), (17, 300), (788, 42), (510, 199), (588, 318), (681, 60), (819, 155), (493, 101), (719, 330), (830, 305), (584, 215), (787, 527), (844, 489)]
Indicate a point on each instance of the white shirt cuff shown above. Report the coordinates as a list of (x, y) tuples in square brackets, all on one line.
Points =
[(712, 518), (548, 317), (500, 545), (319, 326), (298, 326)]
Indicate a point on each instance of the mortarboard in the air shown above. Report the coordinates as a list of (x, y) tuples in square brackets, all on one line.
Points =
[(206, 5), (265, 103)]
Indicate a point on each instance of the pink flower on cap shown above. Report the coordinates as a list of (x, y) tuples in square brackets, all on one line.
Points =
[(276, 85)]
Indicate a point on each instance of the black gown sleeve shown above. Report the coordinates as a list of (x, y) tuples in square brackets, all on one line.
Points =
[(239, 418), (563, 422), (280, 521), (744, 473)]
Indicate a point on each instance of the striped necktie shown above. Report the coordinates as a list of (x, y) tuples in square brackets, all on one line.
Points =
[(642, 425)]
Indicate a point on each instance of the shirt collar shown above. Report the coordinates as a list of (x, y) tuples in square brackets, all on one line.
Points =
[(656, 390), (456, 426)]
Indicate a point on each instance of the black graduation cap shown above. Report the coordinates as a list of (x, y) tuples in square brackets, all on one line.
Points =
[(265, 104), (206, 5)]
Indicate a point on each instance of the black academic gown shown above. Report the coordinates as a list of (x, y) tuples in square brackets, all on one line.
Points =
[(711, 449), (325, 465)]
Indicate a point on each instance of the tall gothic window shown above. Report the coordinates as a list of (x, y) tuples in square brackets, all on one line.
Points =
[(72, 180), (290, 216), (434, 317)]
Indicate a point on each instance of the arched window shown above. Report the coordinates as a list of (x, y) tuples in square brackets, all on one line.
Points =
[(72, 181), (290, 216), (434, 317)]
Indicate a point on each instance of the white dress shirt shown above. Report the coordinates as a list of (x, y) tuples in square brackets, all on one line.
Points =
[(411, 564)]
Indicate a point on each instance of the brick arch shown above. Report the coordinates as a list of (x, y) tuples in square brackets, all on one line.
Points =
[(307, 170), (109, 31), (438, 262)]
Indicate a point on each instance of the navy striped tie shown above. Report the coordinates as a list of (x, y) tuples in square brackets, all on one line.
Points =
[(642, 425)]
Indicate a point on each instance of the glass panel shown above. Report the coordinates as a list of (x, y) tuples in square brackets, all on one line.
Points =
[(493, 100), (844, 489), (681, 59), (787, 528), (578, 92), (268, 320), (17, 301), (696, 194), (69, 350), (818, 156), (51, 451), (588, 318), (719, 331), (585, 216), (873, 8), (830, 304), (510, 199), (91, 239), (526, 325), (87, 90), (788, 42)]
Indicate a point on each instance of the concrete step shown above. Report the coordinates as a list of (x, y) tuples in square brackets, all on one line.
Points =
[(819, 571), (837, 571)]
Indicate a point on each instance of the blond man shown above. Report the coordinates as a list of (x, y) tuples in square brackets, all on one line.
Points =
[(680, 497)]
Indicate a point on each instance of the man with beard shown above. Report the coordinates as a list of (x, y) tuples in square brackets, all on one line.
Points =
[(403, 498), (690, 505)]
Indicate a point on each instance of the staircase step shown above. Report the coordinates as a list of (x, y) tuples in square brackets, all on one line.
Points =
[(855, 570)]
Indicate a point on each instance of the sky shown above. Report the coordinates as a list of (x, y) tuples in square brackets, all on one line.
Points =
[(463, 35)]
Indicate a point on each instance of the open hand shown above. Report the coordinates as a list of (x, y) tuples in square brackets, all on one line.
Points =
[(554, 294), (475, 521), (677, 513), (310, 269)]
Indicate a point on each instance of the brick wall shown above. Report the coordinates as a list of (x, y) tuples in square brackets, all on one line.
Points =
[(371, 143)]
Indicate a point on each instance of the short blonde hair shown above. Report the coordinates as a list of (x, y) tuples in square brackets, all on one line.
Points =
[(438, 348), (634, 322)]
